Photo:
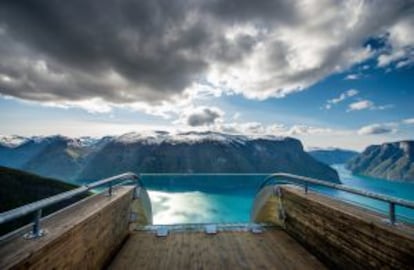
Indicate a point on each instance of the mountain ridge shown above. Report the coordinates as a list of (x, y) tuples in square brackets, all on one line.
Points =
[(164, 152)]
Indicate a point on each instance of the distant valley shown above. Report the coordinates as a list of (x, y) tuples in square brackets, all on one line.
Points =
[(86, 158), (333, 155)]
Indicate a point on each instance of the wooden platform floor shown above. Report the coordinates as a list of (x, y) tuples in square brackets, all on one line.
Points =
[(272, 249)]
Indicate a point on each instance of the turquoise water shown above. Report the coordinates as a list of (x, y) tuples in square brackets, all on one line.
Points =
[(229, 198), (396, 189), (201, 198)]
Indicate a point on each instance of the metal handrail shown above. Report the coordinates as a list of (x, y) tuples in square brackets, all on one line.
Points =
[(39, 205), (287, 178)]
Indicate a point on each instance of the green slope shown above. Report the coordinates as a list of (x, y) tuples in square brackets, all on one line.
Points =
[(18, 188)]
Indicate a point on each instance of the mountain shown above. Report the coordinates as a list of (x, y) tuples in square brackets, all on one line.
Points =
[(332, 155), (18, 188), (164, 152), (393, 161), (53, 156), (204, 152)]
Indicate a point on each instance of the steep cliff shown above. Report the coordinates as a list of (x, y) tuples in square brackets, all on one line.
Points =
[(393, 161)]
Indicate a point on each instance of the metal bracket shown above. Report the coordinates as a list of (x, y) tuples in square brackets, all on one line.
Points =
[(162, 232), (256, 229), (31, 235), (36, 231), (211, 229)]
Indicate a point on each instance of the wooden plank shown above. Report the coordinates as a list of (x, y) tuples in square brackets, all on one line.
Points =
[(82, 236), (345, 236), (273, 249)]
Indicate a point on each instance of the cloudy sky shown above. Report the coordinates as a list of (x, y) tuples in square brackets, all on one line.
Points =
[(330, 72)]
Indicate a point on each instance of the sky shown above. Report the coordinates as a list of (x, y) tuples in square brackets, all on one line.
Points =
[(331, 73)]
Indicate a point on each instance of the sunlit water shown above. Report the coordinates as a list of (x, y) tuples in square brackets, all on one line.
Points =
[(199, 207), (201, 198), (229, 198)]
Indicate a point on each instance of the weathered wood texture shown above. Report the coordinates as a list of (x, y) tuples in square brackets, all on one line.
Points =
[(83, 236), (273, 249), (345, 236)]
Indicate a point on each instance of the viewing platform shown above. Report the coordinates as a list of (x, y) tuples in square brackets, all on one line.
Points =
[(292, 227), (232, 249)]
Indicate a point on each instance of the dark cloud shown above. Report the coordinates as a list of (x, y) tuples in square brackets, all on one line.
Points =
[(125, 51), (152, 45), (261, 12), (203, 117)]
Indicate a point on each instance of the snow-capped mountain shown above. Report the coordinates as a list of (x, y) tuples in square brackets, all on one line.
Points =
[(161, 152), (12, 141), (191, 137)]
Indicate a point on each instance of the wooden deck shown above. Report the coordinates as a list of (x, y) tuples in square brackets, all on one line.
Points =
[(81, 236), (272, 249)]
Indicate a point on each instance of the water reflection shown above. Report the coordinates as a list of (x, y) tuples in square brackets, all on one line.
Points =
[(199, 207)]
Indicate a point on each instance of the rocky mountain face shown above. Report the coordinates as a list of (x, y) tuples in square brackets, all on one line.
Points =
[(332, 156), (393, 161), (163, 152)]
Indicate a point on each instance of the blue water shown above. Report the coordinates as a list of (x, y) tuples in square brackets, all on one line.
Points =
[(229, 198), (201, 198), (396, 189)]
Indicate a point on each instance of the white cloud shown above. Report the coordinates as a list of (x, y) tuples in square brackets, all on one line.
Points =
[(353, 77), (361, 105), (384, 128), (307, 130), (404, 63), (401, 43), (257, 128), (352, 92), (386, 59), (367, 105), (376, 129), (408, 121), (384, 107), (94, 105), (345, 95)]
